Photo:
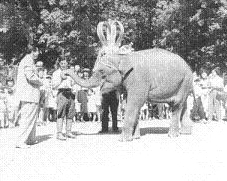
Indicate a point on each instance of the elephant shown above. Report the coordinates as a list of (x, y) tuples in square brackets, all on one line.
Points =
[(157, 75), (154, 74)]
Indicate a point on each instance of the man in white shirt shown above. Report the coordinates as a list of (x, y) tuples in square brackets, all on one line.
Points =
[(65, 100), (216, 84), (28, 93)]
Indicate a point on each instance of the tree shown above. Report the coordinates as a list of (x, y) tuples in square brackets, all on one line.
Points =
[(194, 30)]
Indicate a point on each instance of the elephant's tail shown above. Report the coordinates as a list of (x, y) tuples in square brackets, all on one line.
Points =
[(194, 101)]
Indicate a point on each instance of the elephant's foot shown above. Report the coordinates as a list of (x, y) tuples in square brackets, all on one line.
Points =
[(124, 138), (126, 135), (186, 130), (128, 138), (137, 134), (173, 133), (136, 137)]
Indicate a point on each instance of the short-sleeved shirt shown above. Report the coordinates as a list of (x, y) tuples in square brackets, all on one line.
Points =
[(65, 84)]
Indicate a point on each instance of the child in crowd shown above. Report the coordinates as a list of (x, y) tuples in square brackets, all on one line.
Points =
[(91, 105), (50, 101), (98, 98), (11, 102), (144, 112), (3, 107)]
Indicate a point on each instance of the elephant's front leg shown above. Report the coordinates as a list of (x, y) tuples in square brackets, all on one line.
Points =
[(130, 127), (136, 133)]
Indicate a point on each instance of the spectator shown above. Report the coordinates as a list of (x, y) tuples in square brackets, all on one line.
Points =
[(144, 112), (50, 101), (216, 85), (11, 102), (83, 98), (3, 109), (76, 68), (92, 114), (225, 102), (76, 88), (98, 102), (205, 90), (197, 113), (41, 119)]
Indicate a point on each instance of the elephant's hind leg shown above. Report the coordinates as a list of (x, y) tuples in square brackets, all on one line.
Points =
[(186, 123), (174, 129)]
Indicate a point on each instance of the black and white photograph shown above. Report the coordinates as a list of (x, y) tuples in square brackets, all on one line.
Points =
[(113, 90)]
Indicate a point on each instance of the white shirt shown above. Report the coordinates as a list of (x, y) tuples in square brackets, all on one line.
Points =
[(225, 88), (216, 82), (76, 88), (2, 102), (198, 90), (46, 85), (59, 83)]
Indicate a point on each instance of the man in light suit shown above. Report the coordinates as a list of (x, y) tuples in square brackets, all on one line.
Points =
[(28, 94)]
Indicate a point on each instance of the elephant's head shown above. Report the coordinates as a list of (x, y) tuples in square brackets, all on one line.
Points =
[(111, 60), (107, 71)]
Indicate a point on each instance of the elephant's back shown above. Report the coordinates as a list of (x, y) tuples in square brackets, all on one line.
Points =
[(163, 71), (157, 59)]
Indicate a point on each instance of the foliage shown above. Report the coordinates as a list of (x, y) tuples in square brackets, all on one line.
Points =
[(195, 29)]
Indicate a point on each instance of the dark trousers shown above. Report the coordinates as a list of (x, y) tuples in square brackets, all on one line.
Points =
[(197, 111), (109, 100), (52, 115)]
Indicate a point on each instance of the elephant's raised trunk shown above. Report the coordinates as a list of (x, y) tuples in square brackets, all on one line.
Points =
[(92, 82)]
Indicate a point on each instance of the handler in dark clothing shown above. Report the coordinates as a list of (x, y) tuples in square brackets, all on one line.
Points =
[(109, 100)]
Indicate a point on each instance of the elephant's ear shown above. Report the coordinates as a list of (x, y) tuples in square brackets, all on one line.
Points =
[(125, 64)]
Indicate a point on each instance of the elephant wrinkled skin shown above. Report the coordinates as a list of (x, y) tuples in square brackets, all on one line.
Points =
[(157, 75)]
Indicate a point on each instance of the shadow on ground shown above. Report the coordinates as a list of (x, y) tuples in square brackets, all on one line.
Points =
[(97, 133), (143, 131), (43, 138), (154, 130)]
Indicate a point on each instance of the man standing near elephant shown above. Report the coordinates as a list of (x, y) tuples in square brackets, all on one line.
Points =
[(28, 92), (65, 100), (110, 102)]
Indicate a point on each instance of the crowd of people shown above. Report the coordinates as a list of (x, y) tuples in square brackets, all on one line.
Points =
[(87, 101), (38, 97), (209, 102)]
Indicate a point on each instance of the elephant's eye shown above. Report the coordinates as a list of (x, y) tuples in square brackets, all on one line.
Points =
[(103, 54)]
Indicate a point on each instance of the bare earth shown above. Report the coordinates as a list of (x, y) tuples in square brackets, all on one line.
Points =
[(91, 156)]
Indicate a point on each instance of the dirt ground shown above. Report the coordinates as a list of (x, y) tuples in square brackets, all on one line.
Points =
[(201, 156)]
